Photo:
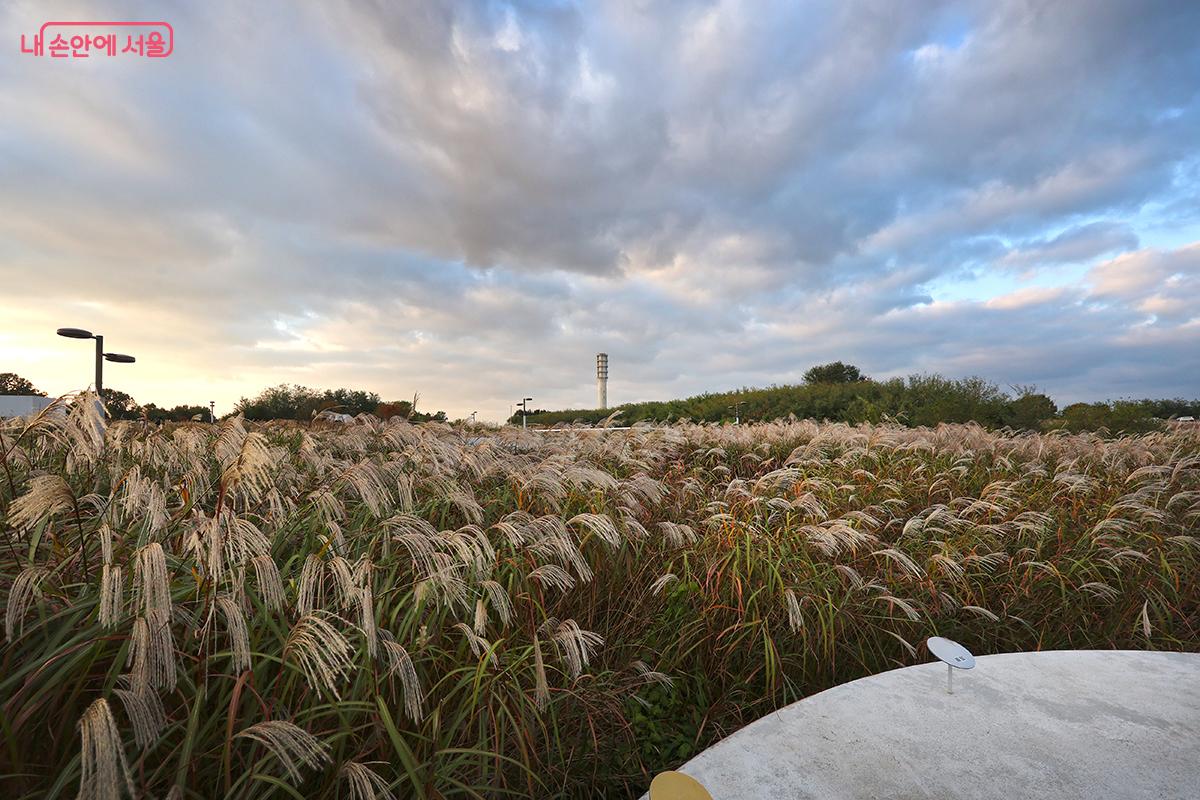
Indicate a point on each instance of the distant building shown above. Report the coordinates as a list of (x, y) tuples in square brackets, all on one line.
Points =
[(333, 416), (22, 405)]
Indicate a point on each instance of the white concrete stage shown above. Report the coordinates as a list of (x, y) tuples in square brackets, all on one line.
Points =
[(1088, 724)]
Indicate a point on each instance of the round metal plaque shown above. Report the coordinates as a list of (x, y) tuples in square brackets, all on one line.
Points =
[(950, 652)]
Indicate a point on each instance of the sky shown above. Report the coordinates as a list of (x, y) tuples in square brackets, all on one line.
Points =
[(470, 200)]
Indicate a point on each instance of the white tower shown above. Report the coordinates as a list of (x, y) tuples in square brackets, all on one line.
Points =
[(602, 380)]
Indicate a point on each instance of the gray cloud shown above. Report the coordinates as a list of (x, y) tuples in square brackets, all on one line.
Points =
[(471, 199)]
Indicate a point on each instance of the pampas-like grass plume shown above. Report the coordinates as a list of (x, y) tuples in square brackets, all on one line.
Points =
[(111, 587), (363, 783), (103, 767), (575, 645), (399, 663), (321, 652), (235, 627), (145, 712), (270, 585), (47, 495), (795, 614), (151, 583), (152, 652), (26, 589), (291, 745)]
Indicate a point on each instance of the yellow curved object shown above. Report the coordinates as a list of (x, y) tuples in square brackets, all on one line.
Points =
[(677, 786)]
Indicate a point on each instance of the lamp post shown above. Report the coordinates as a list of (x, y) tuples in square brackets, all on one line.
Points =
[(524, 405), (212, 410), (737, 412), (101, 356)]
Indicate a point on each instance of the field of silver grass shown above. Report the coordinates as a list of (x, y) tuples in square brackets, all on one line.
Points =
[(392, 610)]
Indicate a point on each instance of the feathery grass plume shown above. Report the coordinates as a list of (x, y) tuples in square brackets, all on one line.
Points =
[(399, 663), (235, 628), (980, 611), (368, 483), (479, 645), (111, 586), (795, 614), (321, 652), (366, 606), (102, 763), (663, 582), (151, 582), (676, 534), (83, 428), (541, 691), (948, 565), (904, 605), (345, 586), (293, 746), (906, 564), (47, 496), (600, 525), (647, 674), (575, 645), (553, 575), (912, 651), (634, 530), (152, 652), (988, 562), (105, 535), (311, 589), (498, 600), (1101, 590), (26, 590), (270, 585), (363, 783), (481, 617), (471, 545), (145, 712)]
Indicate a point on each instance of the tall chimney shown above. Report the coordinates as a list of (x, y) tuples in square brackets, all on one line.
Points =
[(602, 380)]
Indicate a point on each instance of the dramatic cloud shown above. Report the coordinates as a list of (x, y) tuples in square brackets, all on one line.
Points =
[(470, 200)]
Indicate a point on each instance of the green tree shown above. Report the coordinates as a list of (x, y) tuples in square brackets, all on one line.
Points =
[(120, 405), (833, 372), (1029, 410), (12, 383), (180, 413)]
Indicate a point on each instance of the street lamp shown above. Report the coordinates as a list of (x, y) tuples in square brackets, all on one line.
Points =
[(524, 404), (212, 410), (737, 412), (101, 356)]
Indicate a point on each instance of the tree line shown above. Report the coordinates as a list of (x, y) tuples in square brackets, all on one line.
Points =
[(276, 402), (302, 403), (841, 393)]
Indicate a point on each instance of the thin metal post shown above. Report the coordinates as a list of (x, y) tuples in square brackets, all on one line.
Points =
[(100, 367), (949, 679)]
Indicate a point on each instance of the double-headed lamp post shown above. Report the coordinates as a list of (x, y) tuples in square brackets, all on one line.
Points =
[(101, 356), (524, 404)]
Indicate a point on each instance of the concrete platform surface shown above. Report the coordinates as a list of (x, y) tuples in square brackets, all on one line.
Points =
[(1051, 725)]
